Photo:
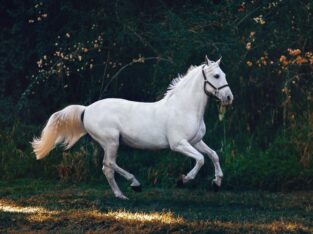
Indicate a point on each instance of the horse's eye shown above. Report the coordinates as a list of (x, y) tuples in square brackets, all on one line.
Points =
[(216, 76)]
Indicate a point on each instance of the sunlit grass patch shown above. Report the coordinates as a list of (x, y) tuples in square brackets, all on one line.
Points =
[(163, 217), (38, 213), (33, 213), (266, 227)]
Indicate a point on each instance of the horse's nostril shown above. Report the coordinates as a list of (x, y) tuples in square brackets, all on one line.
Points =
[(228, 98)]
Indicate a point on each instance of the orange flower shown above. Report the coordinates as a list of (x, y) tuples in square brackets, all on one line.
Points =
[(264, 62), (248, 46), (308, 54), (283, 60), (300, 60), (295, 52)]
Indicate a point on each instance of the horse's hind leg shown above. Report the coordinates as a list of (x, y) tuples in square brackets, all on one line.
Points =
[(109, 174), (130, 177), (110, 161), (110, 152), (109, 164)]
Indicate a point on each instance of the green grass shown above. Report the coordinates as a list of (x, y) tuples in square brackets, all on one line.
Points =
[(51, 206)]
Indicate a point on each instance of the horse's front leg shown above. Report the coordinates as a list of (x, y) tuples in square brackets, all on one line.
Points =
[(202, 147), (187, 149)]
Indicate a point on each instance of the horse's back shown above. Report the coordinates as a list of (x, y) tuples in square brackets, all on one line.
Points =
[(139, 124)]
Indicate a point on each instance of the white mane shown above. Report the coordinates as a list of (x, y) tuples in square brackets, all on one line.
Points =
[(177, 82)]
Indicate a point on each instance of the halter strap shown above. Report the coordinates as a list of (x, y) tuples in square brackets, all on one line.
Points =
[(216, 90)]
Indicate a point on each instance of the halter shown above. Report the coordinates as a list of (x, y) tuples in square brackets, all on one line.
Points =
[(216, 90)]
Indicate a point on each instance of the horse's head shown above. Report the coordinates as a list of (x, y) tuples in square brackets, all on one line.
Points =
[(215, 83)]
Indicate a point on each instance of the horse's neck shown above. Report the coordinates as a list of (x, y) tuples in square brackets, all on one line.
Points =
[(191, 96)]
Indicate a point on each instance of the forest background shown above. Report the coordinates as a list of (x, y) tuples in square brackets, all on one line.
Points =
[(55, 53)]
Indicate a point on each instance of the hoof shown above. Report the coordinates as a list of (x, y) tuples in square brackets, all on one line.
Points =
[(216, 188), (180, 182), (136, 188), (121, 196)]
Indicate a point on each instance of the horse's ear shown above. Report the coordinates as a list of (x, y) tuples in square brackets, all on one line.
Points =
[(207, 60), (219, 61)]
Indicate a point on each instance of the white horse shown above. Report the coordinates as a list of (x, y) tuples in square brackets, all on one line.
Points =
[(174, 122)]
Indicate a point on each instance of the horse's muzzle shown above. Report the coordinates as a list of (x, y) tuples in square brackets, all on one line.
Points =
[(227, 98)]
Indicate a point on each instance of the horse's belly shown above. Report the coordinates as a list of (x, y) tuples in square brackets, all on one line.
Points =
[(144, 143), (145, 138)]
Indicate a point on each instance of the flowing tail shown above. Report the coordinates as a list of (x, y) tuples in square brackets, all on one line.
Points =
[(64, 126)]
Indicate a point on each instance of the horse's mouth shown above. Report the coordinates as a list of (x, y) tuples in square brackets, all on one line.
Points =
[(226, 102)]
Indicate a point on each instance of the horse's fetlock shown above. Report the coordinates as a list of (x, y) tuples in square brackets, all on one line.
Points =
[(189, 177), (131, 177)]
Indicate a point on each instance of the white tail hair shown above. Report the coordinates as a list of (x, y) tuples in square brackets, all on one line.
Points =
[(64, 126)]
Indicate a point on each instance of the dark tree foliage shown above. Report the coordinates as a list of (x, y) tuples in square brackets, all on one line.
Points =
[(55, 53)]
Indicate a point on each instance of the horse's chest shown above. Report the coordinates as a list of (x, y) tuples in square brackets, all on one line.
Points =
[(200, 132), (190, 128)]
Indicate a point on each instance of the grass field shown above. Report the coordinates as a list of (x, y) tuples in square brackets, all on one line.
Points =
[(50, 206)]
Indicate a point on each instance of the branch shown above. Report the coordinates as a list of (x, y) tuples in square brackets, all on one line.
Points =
[(130, 29), (104, 73), (247, 15), (139, 60)]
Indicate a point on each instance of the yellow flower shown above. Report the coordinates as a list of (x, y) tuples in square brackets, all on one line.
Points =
[(39, 63), (259, 19), (249, 63)]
